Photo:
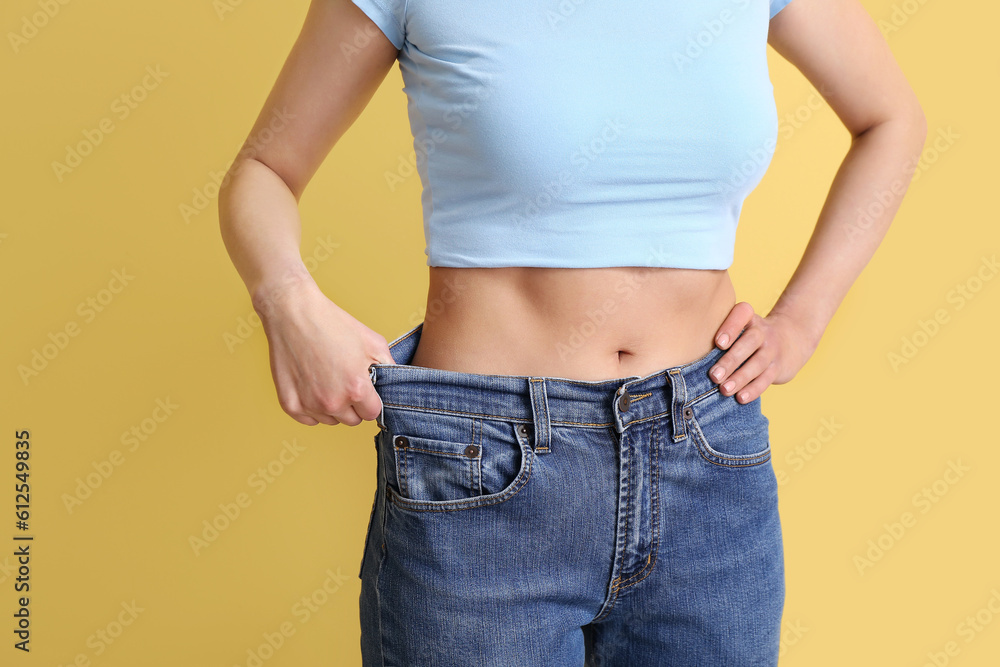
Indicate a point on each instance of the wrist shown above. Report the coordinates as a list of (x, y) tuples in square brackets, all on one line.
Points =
[(272, 294), (810, 330)]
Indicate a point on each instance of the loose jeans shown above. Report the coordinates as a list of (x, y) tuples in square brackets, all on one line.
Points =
[(538, 521)]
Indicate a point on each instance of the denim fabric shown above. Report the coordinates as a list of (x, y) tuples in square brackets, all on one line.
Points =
[(528, 521)]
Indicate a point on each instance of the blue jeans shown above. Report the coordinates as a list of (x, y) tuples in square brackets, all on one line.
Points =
[(537, 521)]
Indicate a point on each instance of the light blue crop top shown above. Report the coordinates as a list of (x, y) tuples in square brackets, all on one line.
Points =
[(584, 133)]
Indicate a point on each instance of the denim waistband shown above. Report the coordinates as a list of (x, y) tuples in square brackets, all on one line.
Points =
[(540, 399)]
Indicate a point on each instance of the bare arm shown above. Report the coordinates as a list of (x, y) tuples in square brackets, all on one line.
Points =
[(839, 49), (321, 90), (319, 353)]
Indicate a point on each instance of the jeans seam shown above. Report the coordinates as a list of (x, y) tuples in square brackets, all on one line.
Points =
[(701, 442), (489, 415), (654, 520), (378, 604)]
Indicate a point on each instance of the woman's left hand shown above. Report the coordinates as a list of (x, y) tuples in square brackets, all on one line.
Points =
[(770, 350)]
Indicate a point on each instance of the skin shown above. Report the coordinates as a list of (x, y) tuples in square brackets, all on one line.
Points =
[(519, 320)]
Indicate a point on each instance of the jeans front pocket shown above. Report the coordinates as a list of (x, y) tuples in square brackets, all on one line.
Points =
[(450, 461), (431, 469), (726, 432)]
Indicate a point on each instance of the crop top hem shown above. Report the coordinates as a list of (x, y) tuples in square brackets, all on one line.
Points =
[(597, 253), (445, 260)]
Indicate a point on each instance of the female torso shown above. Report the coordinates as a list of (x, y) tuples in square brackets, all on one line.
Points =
[(584, 324)]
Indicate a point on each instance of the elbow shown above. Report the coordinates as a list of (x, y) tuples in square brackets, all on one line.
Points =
[(908, 122)]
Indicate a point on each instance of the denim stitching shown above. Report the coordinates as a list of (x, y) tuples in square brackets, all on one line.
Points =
[(418, 506), (628, 501), (611, 605), (696, 399), (545, 414), (708, 455), (434, 451), (655, 542), (424, 408), (477, 439), (378, 601), (400, 454), (518, 420), (734, 465)]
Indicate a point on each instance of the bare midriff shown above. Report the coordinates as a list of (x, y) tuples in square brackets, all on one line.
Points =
[(581, 324)]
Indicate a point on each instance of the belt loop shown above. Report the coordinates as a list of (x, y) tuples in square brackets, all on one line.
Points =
[(678, 390), (540, 415)]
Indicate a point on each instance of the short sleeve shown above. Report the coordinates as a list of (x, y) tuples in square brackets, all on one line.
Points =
[(388, 16), (777, 6)]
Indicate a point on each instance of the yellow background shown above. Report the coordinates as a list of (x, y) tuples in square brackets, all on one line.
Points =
[(163, 337)]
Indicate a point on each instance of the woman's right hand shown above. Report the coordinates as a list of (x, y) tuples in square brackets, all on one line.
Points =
[(320, 356)]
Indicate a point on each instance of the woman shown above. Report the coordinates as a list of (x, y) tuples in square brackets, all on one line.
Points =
[(573, 464)]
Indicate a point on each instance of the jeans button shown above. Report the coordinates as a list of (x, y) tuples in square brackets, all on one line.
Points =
[(624, 401), (688, 413), (401, 441), (471, 451)]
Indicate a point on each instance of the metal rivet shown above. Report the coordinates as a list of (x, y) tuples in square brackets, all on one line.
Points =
[(523, 429), (472, 451), (401, 441), (623, 402), (688, 413)]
